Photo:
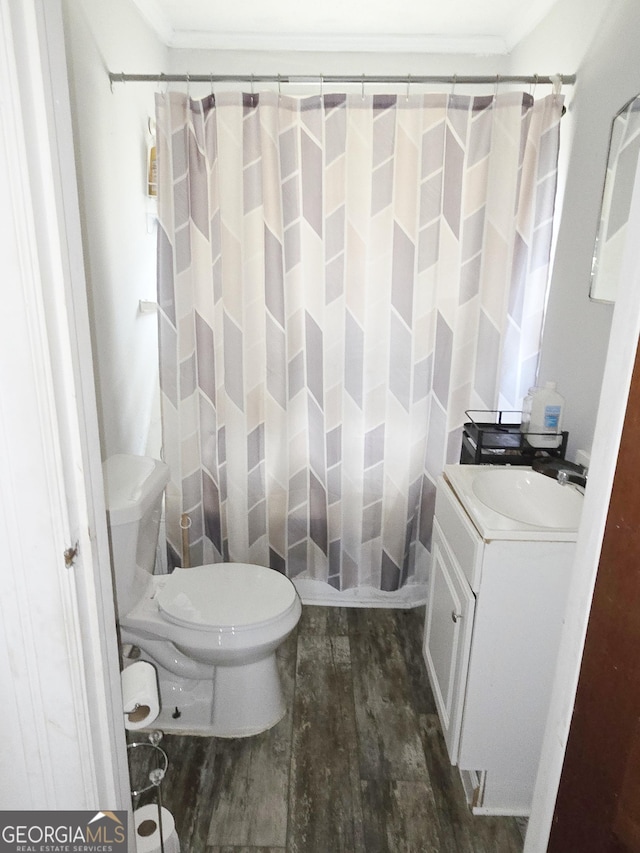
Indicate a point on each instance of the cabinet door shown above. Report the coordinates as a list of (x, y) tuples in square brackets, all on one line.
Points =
[(447, 638)]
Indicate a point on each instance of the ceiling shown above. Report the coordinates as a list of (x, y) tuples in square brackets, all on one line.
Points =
[(432, 26)]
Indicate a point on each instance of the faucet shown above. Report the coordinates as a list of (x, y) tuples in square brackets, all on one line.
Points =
[(562, 471), (565, 477)]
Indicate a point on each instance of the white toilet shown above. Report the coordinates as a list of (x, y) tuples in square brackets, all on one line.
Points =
[(210, 631)]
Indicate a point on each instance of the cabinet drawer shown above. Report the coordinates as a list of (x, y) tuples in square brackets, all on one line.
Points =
[(460, 534)]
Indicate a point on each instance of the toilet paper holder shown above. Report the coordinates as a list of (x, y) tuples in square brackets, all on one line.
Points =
[(150, 765), (150, 759)]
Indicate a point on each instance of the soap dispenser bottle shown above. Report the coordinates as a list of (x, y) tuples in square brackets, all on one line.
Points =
[(545, 424)]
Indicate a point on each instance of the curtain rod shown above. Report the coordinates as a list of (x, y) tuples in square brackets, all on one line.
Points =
[(452, 79)]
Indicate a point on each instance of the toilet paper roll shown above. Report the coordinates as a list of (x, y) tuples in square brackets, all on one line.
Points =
[(148, 830), (140, 698)]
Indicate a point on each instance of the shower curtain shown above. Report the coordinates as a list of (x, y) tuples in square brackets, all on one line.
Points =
[(339, 278)]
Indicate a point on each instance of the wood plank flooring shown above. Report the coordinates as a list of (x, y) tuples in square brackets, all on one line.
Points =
[(358, 764)]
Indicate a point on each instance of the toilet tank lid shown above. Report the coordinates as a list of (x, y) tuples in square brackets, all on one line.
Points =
[(129, 482)]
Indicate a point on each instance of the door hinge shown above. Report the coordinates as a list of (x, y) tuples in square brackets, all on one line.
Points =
[(70, 555)]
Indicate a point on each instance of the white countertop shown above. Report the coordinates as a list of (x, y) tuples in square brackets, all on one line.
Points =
[(493, 525)]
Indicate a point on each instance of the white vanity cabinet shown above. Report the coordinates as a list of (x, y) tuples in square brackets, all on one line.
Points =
[(492, 631)]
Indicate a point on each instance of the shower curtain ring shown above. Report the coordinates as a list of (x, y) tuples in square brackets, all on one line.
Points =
[(535, 86), (188, 85), (495, 88), (279, 87), (408, 86), (321, 86), (453, 84), (363, 87)]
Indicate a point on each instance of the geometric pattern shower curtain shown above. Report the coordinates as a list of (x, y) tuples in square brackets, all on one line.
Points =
[(339, 278)]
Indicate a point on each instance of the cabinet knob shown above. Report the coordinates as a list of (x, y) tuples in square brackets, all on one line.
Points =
[(455, 616)]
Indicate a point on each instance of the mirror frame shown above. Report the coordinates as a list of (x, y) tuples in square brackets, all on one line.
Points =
[(622, 164)]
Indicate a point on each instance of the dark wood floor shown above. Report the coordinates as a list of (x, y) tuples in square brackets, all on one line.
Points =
[(357, 764)]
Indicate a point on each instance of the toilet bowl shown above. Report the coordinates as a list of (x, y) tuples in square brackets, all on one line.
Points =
[(211, 631), (218, 624)]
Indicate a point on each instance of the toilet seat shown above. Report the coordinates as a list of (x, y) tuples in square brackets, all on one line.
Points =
[(232, 596)]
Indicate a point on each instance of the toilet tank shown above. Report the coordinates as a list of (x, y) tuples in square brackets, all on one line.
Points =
[(134, 486)]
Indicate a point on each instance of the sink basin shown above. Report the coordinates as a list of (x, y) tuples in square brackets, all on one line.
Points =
[(525, 495)]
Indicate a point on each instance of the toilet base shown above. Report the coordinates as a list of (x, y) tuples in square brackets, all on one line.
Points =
[(240, 701)]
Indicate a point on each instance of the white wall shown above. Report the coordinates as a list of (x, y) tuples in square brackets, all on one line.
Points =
[(110, 132), (576, 332)]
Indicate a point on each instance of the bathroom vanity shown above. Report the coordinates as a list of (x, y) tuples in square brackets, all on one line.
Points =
[(497, 595)]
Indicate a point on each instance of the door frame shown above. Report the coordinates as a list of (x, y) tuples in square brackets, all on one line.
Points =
[(621, 355), (66, 745)]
